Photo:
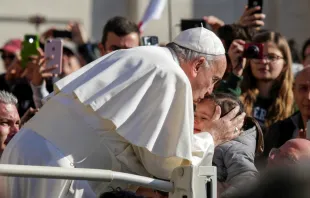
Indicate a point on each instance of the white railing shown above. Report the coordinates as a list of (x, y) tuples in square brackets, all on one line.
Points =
[(186, 181)]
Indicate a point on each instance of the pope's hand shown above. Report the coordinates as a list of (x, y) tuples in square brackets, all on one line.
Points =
[(226, 128)]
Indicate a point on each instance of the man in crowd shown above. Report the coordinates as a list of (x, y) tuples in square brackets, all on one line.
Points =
[(305, 53), (290, 152), (12, 80), (294, 126), (129, 111), (9, 118), (119, 33)]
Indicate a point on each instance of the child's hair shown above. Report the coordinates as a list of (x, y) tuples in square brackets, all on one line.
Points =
[(228, 102), (119, 193)]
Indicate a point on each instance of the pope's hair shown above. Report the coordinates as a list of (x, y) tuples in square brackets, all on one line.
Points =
[(187, 55)]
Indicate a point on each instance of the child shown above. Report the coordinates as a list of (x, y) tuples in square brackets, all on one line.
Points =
[(234, 159)]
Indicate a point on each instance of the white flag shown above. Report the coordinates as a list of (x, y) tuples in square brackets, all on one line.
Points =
[(153, 11)]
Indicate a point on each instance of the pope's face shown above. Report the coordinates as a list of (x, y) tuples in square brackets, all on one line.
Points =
[(204, 78)]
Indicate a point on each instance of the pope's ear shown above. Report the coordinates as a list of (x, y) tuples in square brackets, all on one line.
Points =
[(197, 64)]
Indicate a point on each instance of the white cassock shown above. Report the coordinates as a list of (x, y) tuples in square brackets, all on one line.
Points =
[(129, 111)]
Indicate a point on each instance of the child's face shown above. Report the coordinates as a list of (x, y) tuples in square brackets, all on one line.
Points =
[(204, 112)]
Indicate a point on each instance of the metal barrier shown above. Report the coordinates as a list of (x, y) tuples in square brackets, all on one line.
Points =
[(186, 181)]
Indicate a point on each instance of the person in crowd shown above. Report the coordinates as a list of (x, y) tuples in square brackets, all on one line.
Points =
[(248, 19), (119, 33), (13, 80), (133, 112), (232, 34), (234, 159), (295, 125), (42, 78), (290, 152), (305, 53), (9, 118), (267, 86), (280, 182), (297, 66)]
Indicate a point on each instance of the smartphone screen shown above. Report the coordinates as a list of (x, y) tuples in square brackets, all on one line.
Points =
[(192, 23), (30, 47), (254, 3), (53, 50), (62, 34)]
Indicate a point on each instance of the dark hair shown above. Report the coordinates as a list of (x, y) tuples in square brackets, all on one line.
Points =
[(229, 33), (226, 101), (120, 26), (118, 193), (294, 50), (304, 47)]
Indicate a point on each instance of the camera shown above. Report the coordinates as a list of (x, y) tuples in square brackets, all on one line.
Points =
[(149, 40), (253, 51)]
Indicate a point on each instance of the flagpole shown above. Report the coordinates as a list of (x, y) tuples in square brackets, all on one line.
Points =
[(170, 20)]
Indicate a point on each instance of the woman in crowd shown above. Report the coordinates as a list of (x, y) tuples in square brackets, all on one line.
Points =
[(267, 85)]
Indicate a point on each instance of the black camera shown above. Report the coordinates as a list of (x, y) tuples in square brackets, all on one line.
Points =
[(253, 51)]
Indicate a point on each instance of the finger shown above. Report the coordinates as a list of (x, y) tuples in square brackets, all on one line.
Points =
[(256, 17), (217, 113), (239, 41), (50, 69), (40, 52), (251, 11), (232, 114), (257, 23)]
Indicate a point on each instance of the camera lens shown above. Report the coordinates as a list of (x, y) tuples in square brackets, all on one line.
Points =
[(31, 40), (252, 52)]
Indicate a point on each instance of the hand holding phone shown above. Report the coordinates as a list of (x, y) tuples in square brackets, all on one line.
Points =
[(252, 15), (255, 3), (30, 47), (53, 54)]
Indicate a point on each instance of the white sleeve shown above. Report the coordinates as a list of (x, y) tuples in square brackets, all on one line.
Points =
[(39, 92), (160, 167), (202, 149)]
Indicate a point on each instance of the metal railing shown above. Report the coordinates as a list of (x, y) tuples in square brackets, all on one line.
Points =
[(186, 181)]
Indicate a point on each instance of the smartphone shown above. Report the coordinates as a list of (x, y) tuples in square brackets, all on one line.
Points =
[(53, 52), (149, 40), (308, 130), (254, 3), (62, 34), (192, 23), (253, 51), (30, 47)]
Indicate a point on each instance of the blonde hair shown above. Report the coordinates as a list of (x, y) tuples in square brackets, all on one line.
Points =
[(281, 91)]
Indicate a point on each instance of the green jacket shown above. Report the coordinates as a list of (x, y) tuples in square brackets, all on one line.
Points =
[(230, 85)]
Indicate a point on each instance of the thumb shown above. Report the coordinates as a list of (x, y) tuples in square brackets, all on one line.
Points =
[(217, 113)]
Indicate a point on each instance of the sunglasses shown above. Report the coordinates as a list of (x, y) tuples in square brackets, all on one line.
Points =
[(10, 57)]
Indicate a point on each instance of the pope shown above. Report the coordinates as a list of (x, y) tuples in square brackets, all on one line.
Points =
[(129, 111)]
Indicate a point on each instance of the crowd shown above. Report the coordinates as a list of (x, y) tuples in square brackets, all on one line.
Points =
[(123, 107)]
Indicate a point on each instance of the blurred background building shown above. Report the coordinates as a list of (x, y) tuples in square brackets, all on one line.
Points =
[(289, 17)]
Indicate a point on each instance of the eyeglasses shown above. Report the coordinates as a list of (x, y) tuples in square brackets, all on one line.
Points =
[(275, 154), (270, 58), (10, 56)]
